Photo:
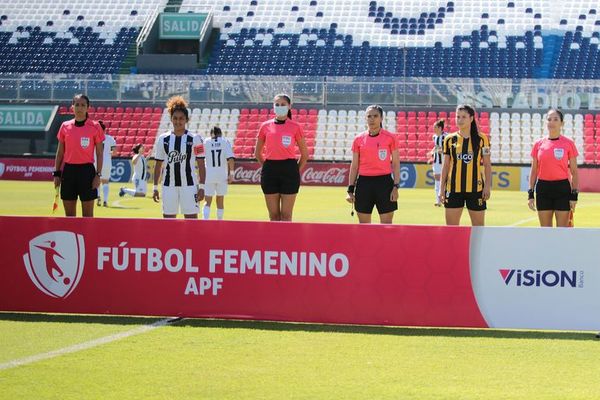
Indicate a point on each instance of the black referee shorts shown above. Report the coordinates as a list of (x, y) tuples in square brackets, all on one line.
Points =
[(280, 176), (77, 182), (474, 201), (374, 191), (553, 195)]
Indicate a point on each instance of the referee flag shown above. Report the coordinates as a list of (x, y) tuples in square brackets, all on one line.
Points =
[(55, 204)]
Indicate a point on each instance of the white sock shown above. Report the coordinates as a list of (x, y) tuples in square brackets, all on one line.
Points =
[(130, 192), (105, 192), (437, 190), (206, 212), (220, 213)]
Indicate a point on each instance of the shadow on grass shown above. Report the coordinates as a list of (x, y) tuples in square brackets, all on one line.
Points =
[(303, 327), (77, 318), (386, 330)]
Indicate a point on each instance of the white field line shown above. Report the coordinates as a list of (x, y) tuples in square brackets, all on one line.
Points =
[(86, 345), (535, 218)]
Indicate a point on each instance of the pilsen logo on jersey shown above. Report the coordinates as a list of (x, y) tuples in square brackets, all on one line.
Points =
[(465, 157), (55, 262), (382, 154), (175, 156)]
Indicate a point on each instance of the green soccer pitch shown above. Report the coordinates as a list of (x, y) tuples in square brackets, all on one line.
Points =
[(49, 356)]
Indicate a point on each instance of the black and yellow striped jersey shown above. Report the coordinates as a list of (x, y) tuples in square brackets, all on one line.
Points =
[(466, 171)]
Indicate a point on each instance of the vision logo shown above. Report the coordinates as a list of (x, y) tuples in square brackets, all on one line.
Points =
[(55, 262), (537, 278)]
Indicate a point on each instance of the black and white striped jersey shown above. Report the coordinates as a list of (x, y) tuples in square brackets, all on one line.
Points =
[(179, 154), (438, 143)]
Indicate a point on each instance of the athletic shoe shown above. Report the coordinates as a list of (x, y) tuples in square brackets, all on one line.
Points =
[(105, 204), (121, 192), (98, 203)]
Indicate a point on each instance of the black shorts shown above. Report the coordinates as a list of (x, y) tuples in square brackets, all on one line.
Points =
[(474, 201), (374, 191), (77, 181), (280, 176), (553, 195)]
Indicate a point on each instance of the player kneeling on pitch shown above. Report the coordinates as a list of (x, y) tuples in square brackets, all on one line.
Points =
[(140, 174), (219, 161)]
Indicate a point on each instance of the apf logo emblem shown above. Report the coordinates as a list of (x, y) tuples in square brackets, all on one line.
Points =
[(55, 262)]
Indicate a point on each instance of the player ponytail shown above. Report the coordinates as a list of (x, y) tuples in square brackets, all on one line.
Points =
[(379, 110), (216, 132), (475, 139), (440, 123), (136, 148), (556, 110), (178, 103), (81, 96), (288, 99)]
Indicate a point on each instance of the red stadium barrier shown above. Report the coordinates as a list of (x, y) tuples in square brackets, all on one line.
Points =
[(324, 273)]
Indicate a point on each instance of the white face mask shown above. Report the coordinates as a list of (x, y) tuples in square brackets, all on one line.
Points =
[(281, 111)]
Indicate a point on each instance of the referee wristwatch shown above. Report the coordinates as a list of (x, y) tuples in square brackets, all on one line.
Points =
[(98, 174), (397, 185)]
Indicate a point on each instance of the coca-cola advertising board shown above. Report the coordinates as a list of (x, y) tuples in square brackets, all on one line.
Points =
[(317, 174)]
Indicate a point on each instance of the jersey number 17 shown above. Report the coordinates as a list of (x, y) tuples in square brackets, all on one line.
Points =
[(216, 159)]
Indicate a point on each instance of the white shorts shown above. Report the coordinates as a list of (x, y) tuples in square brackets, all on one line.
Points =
[(180, 198), (437, 168), (215, 188), (106, 169), (141, 186)]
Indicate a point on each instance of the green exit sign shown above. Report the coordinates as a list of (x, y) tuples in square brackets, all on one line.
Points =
[(181, 26)]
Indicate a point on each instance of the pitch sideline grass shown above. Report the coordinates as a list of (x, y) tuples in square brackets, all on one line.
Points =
[(236, 359), (314, 204)]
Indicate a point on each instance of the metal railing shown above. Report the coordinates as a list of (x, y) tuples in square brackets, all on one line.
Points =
[(146, 28), (357, 91)]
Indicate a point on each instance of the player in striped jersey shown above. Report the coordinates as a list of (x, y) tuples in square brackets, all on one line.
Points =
[(109, 146), (437, 156), (218, 161), (140, 173), (466, 153), (181, 188)]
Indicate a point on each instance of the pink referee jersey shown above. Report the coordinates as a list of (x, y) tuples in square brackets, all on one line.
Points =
[(553, 157), (280, 139), (375, 153), (80, 141)]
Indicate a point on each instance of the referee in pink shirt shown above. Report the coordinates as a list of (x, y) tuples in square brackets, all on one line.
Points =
[(79, 143), (374, 171), (553, 174), (280, 175)]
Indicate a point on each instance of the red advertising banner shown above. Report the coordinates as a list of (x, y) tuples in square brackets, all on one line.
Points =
[(324, 273), (29, 169), (317, 174)]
